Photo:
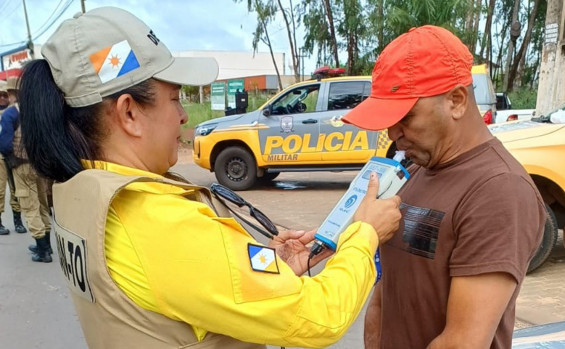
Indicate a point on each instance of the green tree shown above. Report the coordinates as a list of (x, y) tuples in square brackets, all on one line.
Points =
[(523, 47), (335, 26), (401, 15), (530, 73), (486, 41), (353, 29), (317, 32)]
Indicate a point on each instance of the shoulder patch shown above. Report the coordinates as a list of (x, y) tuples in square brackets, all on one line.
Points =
[(262, 259)]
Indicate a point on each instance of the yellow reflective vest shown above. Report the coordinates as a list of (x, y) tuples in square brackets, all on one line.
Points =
[(171, 254)]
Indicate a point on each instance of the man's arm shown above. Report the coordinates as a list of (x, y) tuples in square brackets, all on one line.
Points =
[(373, 316), (474, 309)]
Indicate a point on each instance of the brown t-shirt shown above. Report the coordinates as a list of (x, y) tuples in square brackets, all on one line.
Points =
[(477, 214)]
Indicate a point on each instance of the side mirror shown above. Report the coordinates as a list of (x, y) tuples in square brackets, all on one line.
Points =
[(267, 111)]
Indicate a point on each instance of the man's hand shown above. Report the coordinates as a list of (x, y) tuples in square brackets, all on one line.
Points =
[(292, 247), (383, 215)]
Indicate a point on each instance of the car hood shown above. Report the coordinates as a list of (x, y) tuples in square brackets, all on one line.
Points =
[(226, 122), (221, 120), (519, 130)]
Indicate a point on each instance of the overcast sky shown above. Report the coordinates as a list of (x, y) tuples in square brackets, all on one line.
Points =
[(183, 25)]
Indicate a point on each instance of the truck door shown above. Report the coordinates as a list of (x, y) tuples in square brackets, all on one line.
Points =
[(292, 127), (345, 142)]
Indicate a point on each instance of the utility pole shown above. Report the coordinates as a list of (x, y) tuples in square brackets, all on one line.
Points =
[(551, 85), (29, 43), (82, 6)]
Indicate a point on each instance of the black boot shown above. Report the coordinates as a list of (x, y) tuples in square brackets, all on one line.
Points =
[(42, 254), (18, 223), (3, 229), (33, 248)]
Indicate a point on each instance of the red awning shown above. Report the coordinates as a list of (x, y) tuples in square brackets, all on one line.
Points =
[(4, 75)]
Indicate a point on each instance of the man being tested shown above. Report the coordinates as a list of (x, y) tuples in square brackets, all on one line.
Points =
[(472, 217), (149, 263)]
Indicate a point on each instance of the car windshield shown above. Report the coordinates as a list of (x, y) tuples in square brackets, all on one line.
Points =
[(299, 100)]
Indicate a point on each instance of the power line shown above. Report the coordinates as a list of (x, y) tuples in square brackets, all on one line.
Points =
[(49, 22), (66, 6), (51, 15), (7, 13), (18, 5), (4, 6)]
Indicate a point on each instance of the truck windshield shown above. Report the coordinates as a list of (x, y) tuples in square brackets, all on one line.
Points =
[(298, 100)]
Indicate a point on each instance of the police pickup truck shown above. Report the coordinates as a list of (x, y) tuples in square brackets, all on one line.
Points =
[(299, 129)]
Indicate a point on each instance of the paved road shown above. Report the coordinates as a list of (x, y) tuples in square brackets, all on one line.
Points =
[(36, 311)]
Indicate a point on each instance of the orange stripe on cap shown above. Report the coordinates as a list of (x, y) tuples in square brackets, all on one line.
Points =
[(97, 59)]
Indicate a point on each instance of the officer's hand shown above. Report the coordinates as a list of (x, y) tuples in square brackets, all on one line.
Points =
[(293, 247), (382, 214)]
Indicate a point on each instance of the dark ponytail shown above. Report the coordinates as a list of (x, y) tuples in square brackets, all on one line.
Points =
[(57, 137), (54, 146)]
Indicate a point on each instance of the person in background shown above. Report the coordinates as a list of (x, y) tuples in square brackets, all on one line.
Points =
[(6, 176), (472, 216), (3, 96), (154, 265), (30, 189)]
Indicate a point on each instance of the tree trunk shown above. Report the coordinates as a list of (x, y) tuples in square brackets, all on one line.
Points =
[(525, 44), (510, 46), (486, 42), (498, 61), (268, 43), (333, 39), (470, 16), (299, 57), (476, 25), (293, 52), (351, 49)]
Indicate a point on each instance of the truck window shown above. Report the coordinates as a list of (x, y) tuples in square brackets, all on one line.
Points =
[(346, 95), (299, 100)]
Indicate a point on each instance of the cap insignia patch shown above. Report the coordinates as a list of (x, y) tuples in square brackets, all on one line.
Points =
[(114, 61)]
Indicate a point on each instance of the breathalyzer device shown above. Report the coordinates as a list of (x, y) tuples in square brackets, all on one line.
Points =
[(392, 176)]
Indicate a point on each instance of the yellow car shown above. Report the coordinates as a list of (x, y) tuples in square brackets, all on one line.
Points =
[(539, 145)]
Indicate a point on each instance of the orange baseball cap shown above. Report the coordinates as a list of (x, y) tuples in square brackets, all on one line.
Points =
[(426, 61)]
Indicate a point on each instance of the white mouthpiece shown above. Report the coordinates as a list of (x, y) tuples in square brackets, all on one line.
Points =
[(399, 155)]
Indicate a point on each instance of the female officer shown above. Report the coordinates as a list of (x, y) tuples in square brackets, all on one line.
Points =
[(148, 262)]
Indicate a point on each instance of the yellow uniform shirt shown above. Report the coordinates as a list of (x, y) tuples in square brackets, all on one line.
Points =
[(176, 257)]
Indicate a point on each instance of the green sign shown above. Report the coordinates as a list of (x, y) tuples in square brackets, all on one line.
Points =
[(233, 86), (218, 96)]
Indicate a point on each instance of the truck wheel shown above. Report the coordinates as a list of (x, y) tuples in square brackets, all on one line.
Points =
[(268, 177), (548, 241), (235, 168)]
